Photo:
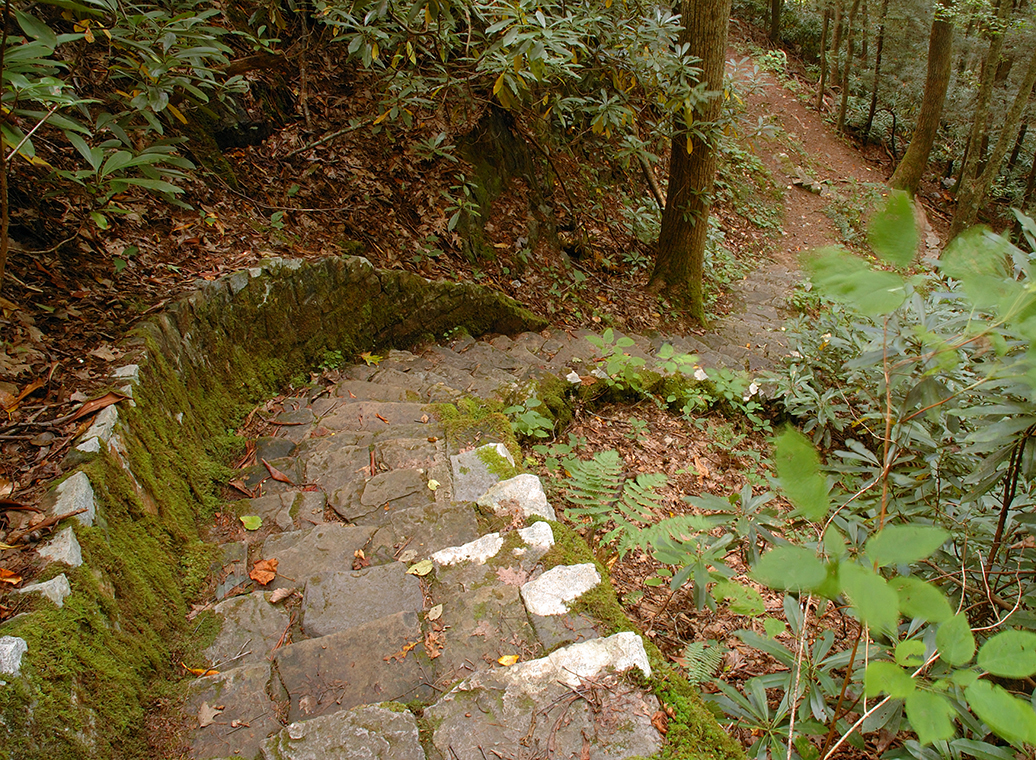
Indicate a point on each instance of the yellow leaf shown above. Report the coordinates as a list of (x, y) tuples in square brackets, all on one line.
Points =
[(200, 672), (690, 145), (88, 34), (381, 118), (422, 568), (498, 84), (435, 612), (375, 51), (176, 112), (433, 484), (508, 660)]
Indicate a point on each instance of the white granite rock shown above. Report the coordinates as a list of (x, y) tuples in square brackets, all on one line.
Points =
[(538, 535), (478, 551), (524, 490), (64, 547), (56, 589), (11, 650), (551, 592)]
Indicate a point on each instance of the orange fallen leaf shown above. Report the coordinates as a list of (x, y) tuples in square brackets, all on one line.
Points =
[(277, 474), (402, 653), (264, 571), (10, 403), (661, 722), (239, 485), (6, 576), (200, 671), (381, 418), (508, 660)]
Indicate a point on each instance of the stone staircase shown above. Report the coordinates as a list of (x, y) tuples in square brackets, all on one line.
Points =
[(410, 570)]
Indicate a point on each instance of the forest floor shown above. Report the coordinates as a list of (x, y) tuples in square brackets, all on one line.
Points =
[(64, 311)]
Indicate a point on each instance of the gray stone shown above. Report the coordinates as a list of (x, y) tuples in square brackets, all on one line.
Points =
[(568, 704), (100, 432), (270, 448), (371, 732), (330, 546), (360, 390), (407, 453), (334, 468), (251, 628), (340, 600), (400, 488), (56, 589), (247, 718), (376, 416), (76, 493), (365, 664), (12, 649), (427, 529), (471, 474), (64, 547), (231, 569), (524, 492), (551, 593)]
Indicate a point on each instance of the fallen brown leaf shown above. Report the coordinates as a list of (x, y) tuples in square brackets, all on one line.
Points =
[(280, 594), (207, 715), (661, 722), (264, 571), (96, 405), (7, 576), (402, 653), (277, 474)]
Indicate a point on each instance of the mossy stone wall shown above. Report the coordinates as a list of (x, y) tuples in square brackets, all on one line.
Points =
[(97, 663)]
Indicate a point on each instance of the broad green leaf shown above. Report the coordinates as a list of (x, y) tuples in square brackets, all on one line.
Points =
[(982, 750), (118, 160), (421, 568), (36, 29), (931, 716), (1010, 654), (955, 641), (910, 653), (892, 232), (918, 599), (887, 677), (980, 260), (876, 603), (790, 567), (1010, 718), (903, 544), (774, 627), (850, 280), (252, 522), (798, 472), (742, 600), (963, 678)]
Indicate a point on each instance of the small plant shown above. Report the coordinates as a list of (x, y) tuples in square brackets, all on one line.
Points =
[(527, 421), (619, 369), (331, 359)]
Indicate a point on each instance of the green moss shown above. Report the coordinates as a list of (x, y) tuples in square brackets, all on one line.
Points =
[(472, 421), (498, 465)]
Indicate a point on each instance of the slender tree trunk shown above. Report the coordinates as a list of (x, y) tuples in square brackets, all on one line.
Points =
[(836, 42), (940, 57), (1018, 143), (823, 58), (864, 25), (679, 268), (5, 208), (1030, 183), (973, 194), (848, 65), (878, 47), (775, 20)]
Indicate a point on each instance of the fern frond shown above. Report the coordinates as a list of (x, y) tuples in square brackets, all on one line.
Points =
[(701, 660), (675, 529)]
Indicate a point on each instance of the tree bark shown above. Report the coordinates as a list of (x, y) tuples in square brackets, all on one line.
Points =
[(836, 42), (973, 194), (848, 65), (823, 58), (679, 267), (775, 20), (940, 57), (878, 47), (969, 171), (1017, 149)]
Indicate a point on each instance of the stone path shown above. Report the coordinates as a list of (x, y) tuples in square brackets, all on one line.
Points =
[(407, 571)]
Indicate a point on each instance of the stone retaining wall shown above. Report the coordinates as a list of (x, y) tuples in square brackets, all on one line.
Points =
[(79, 667)]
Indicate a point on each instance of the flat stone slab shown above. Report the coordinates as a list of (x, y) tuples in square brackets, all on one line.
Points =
[(247, 717), (340, 600), (334, 468), (471, 474), (251, 628), (401, 488), (408, 453), (426, 529), (376, 416), (524, 493), (302, 554), (371, 732), (373, 662), (551, 593), (570, 704)]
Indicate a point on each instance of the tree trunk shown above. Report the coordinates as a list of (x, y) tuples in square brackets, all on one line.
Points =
[(775, 20), (940, 57), (879, 45), (973, 194), (823, 58), (679, 268), (1030, 184), (836, 42), (848, 65), (1018, 143)]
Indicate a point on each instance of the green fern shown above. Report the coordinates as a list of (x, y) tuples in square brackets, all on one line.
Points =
[(601, 493), (701, 660)]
